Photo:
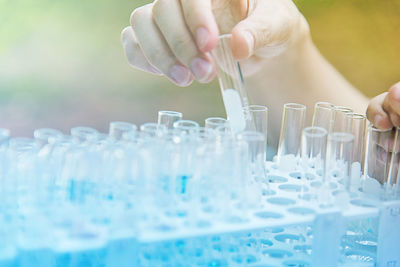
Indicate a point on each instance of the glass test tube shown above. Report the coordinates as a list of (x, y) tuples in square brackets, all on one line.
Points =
[(313, 152), (259, 116), (168, 118), (256, 150), (84, 135), (323, 115), (293, 119), (341, 122), (152, 129), (46, 136), (378, 158), (214, 122), (231, 83), (187, 126), (357, 125), (339, 152), (4, 137), (117, 129), (313, 148)]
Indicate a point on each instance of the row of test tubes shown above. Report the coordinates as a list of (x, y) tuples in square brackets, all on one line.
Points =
[(339, 143)]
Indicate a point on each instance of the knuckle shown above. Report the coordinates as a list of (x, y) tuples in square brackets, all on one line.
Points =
[(138, 13), (158, 8)]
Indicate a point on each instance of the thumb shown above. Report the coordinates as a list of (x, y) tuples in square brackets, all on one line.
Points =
[(269, 26)]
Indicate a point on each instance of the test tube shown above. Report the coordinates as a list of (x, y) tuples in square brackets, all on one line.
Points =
[(323, 115), (214, 122), (256, 150), (339, 154), (357, 125), (84, 135), (313, 148), (256, 156), (313, 153), (45, 136), (168, 118), (187, 126), (4, 138), (117, 129), (231, 83), (293, 119), (341, 122), (153, 129), (378, 159), (259, 116)]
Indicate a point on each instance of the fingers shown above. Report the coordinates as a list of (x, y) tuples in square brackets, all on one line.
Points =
[(268, 29), (376, 115), (155, 48), (201, 23), (391, 104), (169, 18), (134, 53)]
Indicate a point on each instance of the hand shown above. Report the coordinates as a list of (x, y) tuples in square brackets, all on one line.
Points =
[(175, 37), (384, 110)]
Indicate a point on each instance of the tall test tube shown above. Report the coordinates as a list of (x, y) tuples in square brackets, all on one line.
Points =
[(168, 118), (357, 125), (381, 154), (231, 83), (323, 115), (293, 119)]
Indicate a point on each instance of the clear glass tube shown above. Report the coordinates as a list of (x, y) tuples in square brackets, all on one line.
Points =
[(357, 125), (323, 115), (259, 116), (214, 122), (118, 128), (231, 83), (341, 122), (339, 153), (293, 120), (168, 118), (46, 136), (379, 174), (187, 126), (313, 148), (84, 135), (153, 129), (4, 137), (256, 150)]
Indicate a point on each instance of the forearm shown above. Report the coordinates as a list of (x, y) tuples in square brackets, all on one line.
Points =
[(300, 75)]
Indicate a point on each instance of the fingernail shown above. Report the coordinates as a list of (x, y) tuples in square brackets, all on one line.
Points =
[(180, 75), (250, 41), (202, 37), (201, 69)]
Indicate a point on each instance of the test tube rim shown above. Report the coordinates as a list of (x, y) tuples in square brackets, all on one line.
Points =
[(323, 132), (295, 106), (193, 124), (371, 127), (4, 132), (124, 124), (329, 106), (356, 116), (215, 118), (170, 112), (343, 109), (36, 132), (256, 108), (340, 137)]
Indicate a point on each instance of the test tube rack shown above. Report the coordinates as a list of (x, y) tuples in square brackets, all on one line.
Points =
[(289, 228)]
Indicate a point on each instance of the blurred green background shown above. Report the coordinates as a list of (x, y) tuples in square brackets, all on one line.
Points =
[(62, 64)]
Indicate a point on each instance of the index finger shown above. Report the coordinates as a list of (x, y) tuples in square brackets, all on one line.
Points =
[(201, 22)]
